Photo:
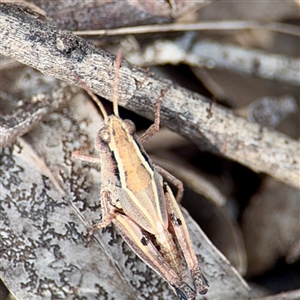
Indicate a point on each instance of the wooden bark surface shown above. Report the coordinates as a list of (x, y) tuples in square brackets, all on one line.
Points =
[(33, 41)]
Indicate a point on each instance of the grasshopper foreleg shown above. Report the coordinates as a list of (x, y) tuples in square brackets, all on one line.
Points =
[(86, 157)]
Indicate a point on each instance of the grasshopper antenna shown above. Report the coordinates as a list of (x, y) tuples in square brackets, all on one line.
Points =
[(93, 96), (115, 93), (97, 101)]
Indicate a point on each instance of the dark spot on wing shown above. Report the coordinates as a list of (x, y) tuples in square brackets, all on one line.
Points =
[(175, 221), (144, 241)]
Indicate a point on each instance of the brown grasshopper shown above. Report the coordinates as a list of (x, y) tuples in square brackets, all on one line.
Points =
[(136, 199)]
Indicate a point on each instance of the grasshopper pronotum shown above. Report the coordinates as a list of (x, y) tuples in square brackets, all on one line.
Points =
[(136, 199)]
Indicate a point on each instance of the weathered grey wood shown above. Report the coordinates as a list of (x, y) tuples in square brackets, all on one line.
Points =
[(32, 111), (30, 39)]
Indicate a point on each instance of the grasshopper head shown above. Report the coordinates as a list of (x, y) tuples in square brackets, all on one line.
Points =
[(114, 128), (120, 128)]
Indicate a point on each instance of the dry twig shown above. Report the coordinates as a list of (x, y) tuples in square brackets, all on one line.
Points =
[(214, 55), (216, 25)]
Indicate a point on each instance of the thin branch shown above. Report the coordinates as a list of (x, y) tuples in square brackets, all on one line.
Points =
[(213, 55), (61, 54), (216, 25), (248, 61)]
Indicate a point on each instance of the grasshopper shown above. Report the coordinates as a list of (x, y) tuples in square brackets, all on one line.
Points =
[(140, 204)]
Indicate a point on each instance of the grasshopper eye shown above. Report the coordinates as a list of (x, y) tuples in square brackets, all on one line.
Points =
[(104, 134), (130, 126)]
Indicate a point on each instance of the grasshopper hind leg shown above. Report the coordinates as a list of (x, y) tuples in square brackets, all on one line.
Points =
[(175, 181), (184, 292), (200, 281), (181, 231)]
